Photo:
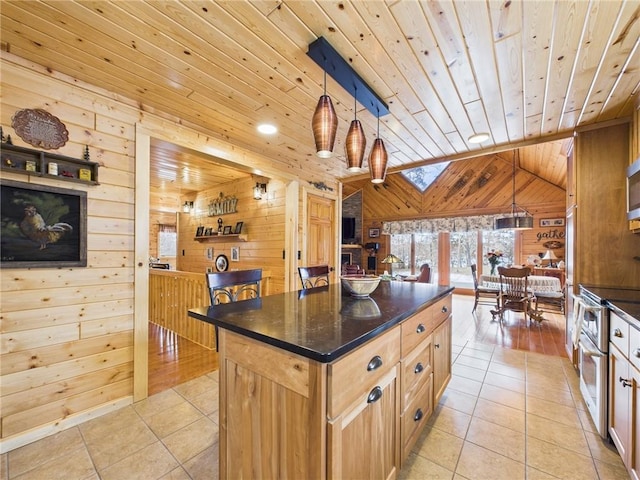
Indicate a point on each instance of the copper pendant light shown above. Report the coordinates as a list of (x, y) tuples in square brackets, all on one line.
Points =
[(356, 142), (324, 124), (378, 159)]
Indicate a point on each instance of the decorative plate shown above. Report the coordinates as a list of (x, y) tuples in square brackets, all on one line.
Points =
[(553, 244), (222, 263), (39, 128)]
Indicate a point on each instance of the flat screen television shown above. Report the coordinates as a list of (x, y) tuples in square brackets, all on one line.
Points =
[(348, 229)]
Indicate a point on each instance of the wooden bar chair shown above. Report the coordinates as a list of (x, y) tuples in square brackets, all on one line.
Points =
[(228, 287), (312, 277), (484, 295), (515, 294)]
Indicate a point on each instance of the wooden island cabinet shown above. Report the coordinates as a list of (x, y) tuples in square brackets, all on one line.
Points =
[(313, 385)]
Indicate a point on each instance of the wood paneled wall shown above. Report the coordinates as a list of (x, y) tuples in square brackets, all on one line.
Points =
[(67, 335), (66, 339), (478, 186), (263, 224)]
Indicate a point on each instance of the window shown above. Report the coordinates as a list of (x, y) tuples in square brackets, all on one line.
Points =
[(425, 248), (464, 252), (423, 177), (427, 252), (167, 241)]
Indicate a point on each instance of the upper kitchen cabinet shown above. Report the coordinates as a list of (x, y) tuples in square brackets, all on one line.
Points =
[(603, 248)]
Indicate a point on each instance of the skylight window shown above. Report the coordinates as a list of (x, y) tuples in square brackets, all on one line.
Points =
[(423, 177)]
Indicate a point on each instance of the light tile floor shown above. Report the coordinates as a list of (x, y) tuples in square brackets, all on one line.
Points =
[(506, 414)]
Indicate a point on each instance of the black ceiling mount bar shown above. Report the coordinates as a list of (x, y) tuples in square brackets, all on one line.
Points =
[(332, 63)]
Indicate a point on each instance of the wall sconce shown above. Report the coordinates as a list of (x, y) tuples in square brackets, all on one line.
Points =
[(187, 207), (259, 190)]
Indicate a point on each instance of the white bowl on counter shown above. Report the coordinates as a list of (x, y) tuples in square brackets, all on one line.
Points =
[(360, 285)]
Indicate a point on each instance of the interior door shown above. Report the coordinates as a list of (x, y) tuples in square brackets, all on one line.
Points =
[(320, 248)]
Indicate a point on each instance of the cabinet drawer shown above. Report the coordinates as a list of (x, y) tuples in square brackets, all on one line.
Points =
[(619, 333), (416, 370), (416, 329), (359, 371), (415, 417), (441, 310), (634, 347)]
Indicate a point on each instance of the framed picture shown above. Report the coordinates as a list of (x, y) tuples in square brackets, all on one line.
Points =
[(238, 229), (222, 263), (208, 231), (552, 222), (42, 226), (227, 230), (345, 259), (235, 254), (200, 231), (374, 232)]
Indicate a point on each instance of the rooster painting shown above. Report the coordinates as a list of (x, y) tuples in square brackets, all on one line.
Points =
[(35, 228)]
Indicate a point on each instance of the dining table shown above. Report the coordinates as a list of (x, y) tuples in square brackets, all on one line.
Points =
[(535, 283)]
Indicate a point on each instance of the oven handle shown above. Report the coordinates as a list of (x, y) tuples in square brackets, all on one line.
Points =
[(589, 348), (588, 304)]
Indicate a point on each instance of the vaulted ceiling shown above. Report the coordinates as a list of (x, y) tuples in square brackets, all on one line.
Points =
[(522, 71)]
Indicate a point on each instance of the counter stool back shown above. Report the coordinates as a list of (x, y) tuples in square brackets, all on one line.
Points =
[(312, 277), (228, 287)]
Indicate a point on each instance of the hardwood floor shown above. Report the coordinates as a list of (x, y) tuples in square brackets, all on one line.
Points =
[(174, 360)]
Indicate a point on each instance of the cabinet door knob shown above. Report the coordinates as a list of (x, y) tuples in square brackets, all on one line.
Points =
[(418, 416), (419, 368), (421, 328), (445, 309), (437, 345), (625, 382), (617, 333), (637, 352), (374, 395), (375, 362)]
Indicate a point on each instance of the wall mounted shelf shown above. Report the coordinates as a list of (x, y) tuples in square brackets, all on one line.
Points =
[(27, 161), (221, 238)]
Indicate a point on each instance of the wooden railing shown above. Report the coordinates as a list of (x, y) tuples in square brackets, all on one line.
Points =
[(173, 293)]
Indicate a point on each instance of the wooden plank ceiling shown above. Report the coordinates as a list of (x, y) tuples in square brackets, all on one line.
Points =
[(525, 72)]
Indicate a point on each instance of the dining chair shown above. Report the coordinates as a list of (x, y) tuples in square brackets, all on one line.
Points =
[(553, 300), (312, 277), (484, 295), (229, 287), (425, 274), (515, 294)]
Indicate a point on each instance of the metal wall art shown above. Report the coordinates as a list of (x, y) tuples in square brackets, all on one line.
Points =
[(223, 205)]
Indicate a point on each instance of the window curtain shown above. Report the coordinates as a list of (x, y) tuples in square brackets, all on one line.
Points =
[(167, 228), (436, 225)]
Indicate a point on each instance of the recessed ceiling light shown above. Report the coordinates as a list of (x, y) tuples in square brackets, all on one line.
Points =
[(267, 128), (478, 138)]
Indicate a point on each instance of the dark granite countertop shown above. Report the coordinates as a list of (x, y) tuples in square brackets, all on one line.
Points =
[(322, 323)]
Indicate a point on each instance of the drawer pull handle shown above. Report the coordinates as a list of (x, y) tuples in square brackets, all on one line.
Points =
[(375, 362), (418, 416), (421, 328), (374, 395), (625, 382), (637, 352), (419, 368), (617, 333), (445, 309)]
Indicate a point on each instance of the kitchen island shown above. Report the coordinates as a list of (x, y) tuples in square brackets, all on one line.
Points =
[(318, 384)]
